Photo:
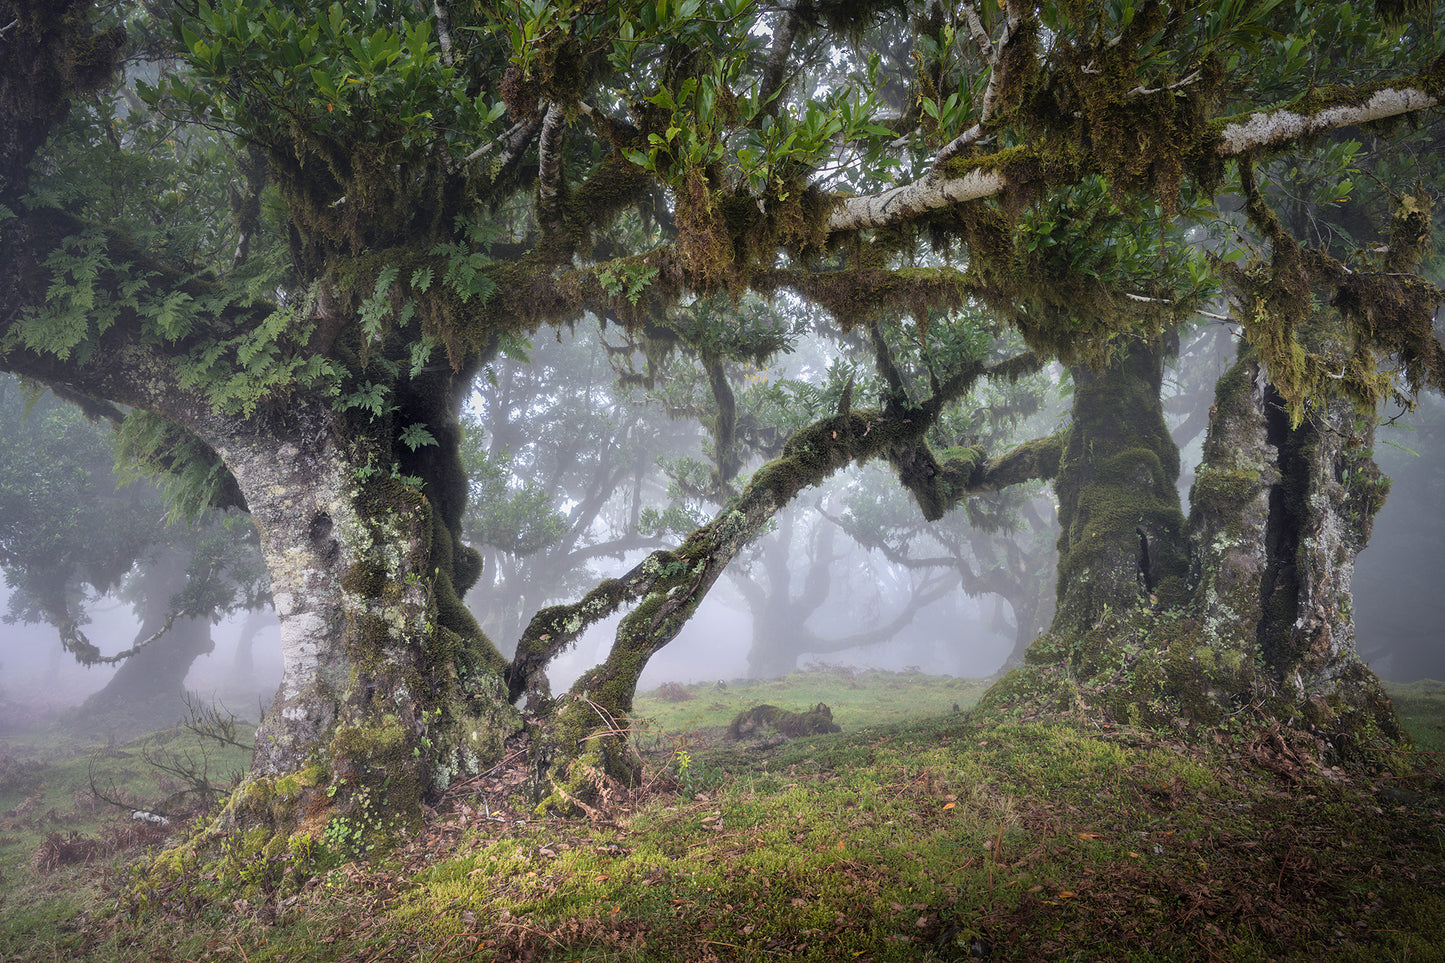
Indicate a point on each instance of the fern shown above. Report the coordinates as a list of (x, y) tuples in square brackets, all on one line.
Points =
[(376, 309), (466, 272), (416, 436), (369, 397), (171, 315)]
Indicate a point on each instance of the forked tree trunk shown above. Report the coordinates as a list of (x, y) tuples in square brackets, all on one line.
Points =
[(1280, 514), (1260, 612)]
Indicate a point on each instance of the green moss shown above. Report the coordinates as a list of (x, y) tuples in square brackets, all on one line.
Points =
[(365, 578), (1224, 489)]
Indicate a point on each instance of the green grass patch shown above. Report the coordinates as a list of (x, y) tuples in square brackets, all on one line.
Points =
[(1421, 706), (859, 698), (945, 835)]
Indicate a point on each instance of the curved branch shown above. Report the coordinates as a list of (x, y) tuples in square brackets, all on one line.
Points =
[(920, 598), (675, 581)]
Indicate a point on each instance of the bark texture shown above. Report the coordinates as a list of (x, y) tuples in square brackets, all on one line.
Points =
[(1121, 527), (1260, 612)]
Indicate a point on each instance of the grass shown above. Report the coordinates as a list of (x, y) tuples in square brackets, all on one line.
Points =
[(916, 833)]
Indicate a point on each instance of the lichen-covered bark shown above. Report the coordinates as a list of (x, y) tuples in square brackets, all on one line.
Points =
[(1229, 518), (1280, 514), (389, 691), (944, 187)]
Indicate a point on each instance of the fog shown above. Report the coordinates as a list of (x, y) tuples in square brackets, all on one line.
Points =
[(40, 682), (808, 587)]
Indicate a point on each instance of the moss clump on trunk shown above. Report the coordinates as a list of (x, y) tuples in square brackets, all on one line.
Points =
[(1121, 527)]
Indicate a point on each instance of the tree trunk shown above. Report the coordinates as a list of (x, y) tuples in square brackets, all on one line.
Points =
[(1160, 623), (1121, 538), (389, 690), (148, 691), (1280, 514)]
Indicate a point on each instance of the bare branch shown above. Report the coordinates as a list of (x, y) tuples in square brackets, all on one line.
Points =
[(444, 30), (998, 74), (512, 142)]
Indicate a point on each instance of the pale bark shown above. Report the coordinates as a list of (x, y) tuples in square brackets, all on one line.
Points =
[(297, 493), (941, 187)]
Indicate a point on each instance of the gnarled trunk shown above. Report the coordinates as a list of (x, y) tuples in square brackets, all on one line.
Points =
[(1121, 538), (1258, 610), (389, 690), (1280, 513)]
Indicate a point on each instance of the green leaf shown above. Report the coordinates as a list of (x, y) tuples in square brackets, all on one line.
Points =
[(416, 436)]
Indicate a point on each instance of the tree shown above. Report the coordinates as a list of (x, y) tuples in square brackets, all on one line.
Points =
[(74, 532), (378, 195), (560, 464)]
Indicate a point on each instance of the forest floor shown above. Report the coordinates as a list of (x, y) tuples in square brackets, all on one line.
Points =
[(922, 831)]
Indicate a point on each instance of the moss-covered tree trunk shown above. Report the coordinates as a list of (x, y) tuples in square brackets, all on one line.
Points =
[(585, 744), (1121, 538), (1280, 513), (1249, 603), (389, 688)]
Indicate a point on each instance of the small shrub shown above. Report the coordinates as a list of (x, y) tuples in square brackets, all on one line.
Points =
[(673, 692)]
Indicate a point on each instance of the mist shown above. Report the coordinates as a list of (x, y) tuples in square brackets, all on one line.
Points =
[(40, 682)]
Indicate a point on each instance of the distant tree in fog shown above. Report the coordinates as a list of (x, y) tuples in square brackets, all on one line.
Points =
[(560, 459), (71, 533)]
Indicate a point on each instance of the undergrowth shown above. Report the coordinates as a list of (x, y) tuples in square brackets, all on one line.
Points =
[(948, 835)]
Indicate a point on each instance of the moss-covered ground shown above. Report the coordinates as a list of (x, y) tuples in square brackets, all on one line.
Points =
[(918, 832)]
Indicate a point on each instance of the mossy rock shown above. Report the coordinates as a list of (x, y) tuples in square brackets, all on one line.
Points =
[(760, 719)]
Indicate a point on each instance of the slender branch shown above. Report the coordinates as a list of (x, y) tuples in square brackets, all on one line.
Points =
[(512, 142), (997, 78), (444, 30), (127, 653)]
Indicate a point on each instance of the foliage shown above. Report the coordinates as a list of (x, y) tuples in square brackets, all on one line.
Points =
[(383, 197)]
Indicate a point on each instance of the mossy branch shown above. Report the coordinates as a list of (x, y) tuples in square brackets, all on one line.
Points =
[(957, 183)]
